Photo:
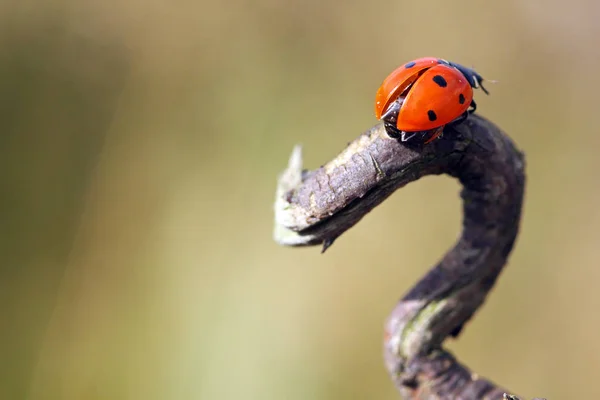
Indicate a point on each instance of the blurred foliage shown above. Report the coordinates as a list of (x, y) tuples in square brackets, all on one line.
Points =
[(140, 143)]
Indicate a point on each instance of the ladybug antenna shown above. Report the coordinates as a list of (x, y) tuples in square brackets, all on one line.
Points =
[(484, 89)]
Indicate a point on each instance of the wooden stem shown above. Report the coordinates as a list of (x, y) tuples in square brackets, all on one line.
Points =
[(316, 207)]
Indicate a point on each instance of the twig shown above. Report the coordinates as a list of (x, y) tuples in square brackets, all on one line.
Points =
[(316, 207)]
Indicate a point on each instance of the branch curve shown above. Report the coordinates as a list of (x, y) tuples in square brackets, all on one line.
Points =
[(316, 207)]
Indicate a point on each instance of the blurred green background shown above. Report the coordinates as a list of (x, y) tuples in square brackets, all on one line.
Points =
[(140, 144)]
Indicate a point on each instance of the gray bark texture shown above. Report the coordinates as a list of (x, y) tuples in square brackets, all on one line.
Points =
[(316, 207)]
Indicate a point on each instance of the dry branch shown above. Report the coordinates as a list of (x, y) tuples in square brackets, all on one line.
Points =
[(316, 207)]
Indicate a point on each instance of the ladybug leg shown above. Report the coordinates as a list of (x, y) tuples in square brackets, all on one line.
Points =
[(434, 134), (462, 118), (473, 107)]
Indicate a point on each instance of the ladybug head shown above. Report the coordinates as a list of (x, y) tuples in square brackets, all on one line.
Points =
[(472, 76)]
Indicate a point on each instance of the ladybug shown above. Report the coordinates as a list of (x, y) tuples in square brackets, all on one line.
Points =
[(424, 95)]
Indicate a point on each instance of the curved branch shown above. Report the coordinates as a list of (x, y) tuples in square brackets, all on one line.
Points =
[(316, 207)]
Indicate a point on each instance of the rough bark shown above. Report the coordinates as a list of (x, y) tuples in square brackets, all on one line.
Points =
[(316, 207)]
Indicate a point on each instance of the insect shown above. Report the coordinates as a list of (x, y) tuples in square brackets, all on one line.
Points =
[(424, 95)]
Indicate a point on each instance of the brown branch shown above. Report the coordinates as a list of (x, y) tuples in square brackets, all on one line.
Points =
[(316, 207)]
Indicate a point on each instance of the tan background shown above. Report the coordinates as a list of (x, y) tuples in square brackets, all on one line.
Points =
[(139, 147)]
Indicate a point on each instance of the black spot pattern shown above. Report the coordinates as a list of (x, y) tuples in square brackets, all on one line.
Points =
[(461, 99), (410, 64), (440, 81), (431, 115)]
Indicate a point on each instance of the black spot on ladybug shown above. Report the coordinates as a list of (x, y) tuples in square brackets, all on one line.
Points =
[(431, 115), (461, 99), (410, 64), (440, 81)]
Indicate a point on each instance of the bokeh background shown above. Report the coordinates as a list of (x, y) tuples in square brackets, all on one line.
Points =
[(140, 143)]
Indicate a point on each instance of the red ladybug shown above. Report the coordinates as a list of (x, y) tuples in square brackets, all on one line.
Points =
[(424, 95)]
